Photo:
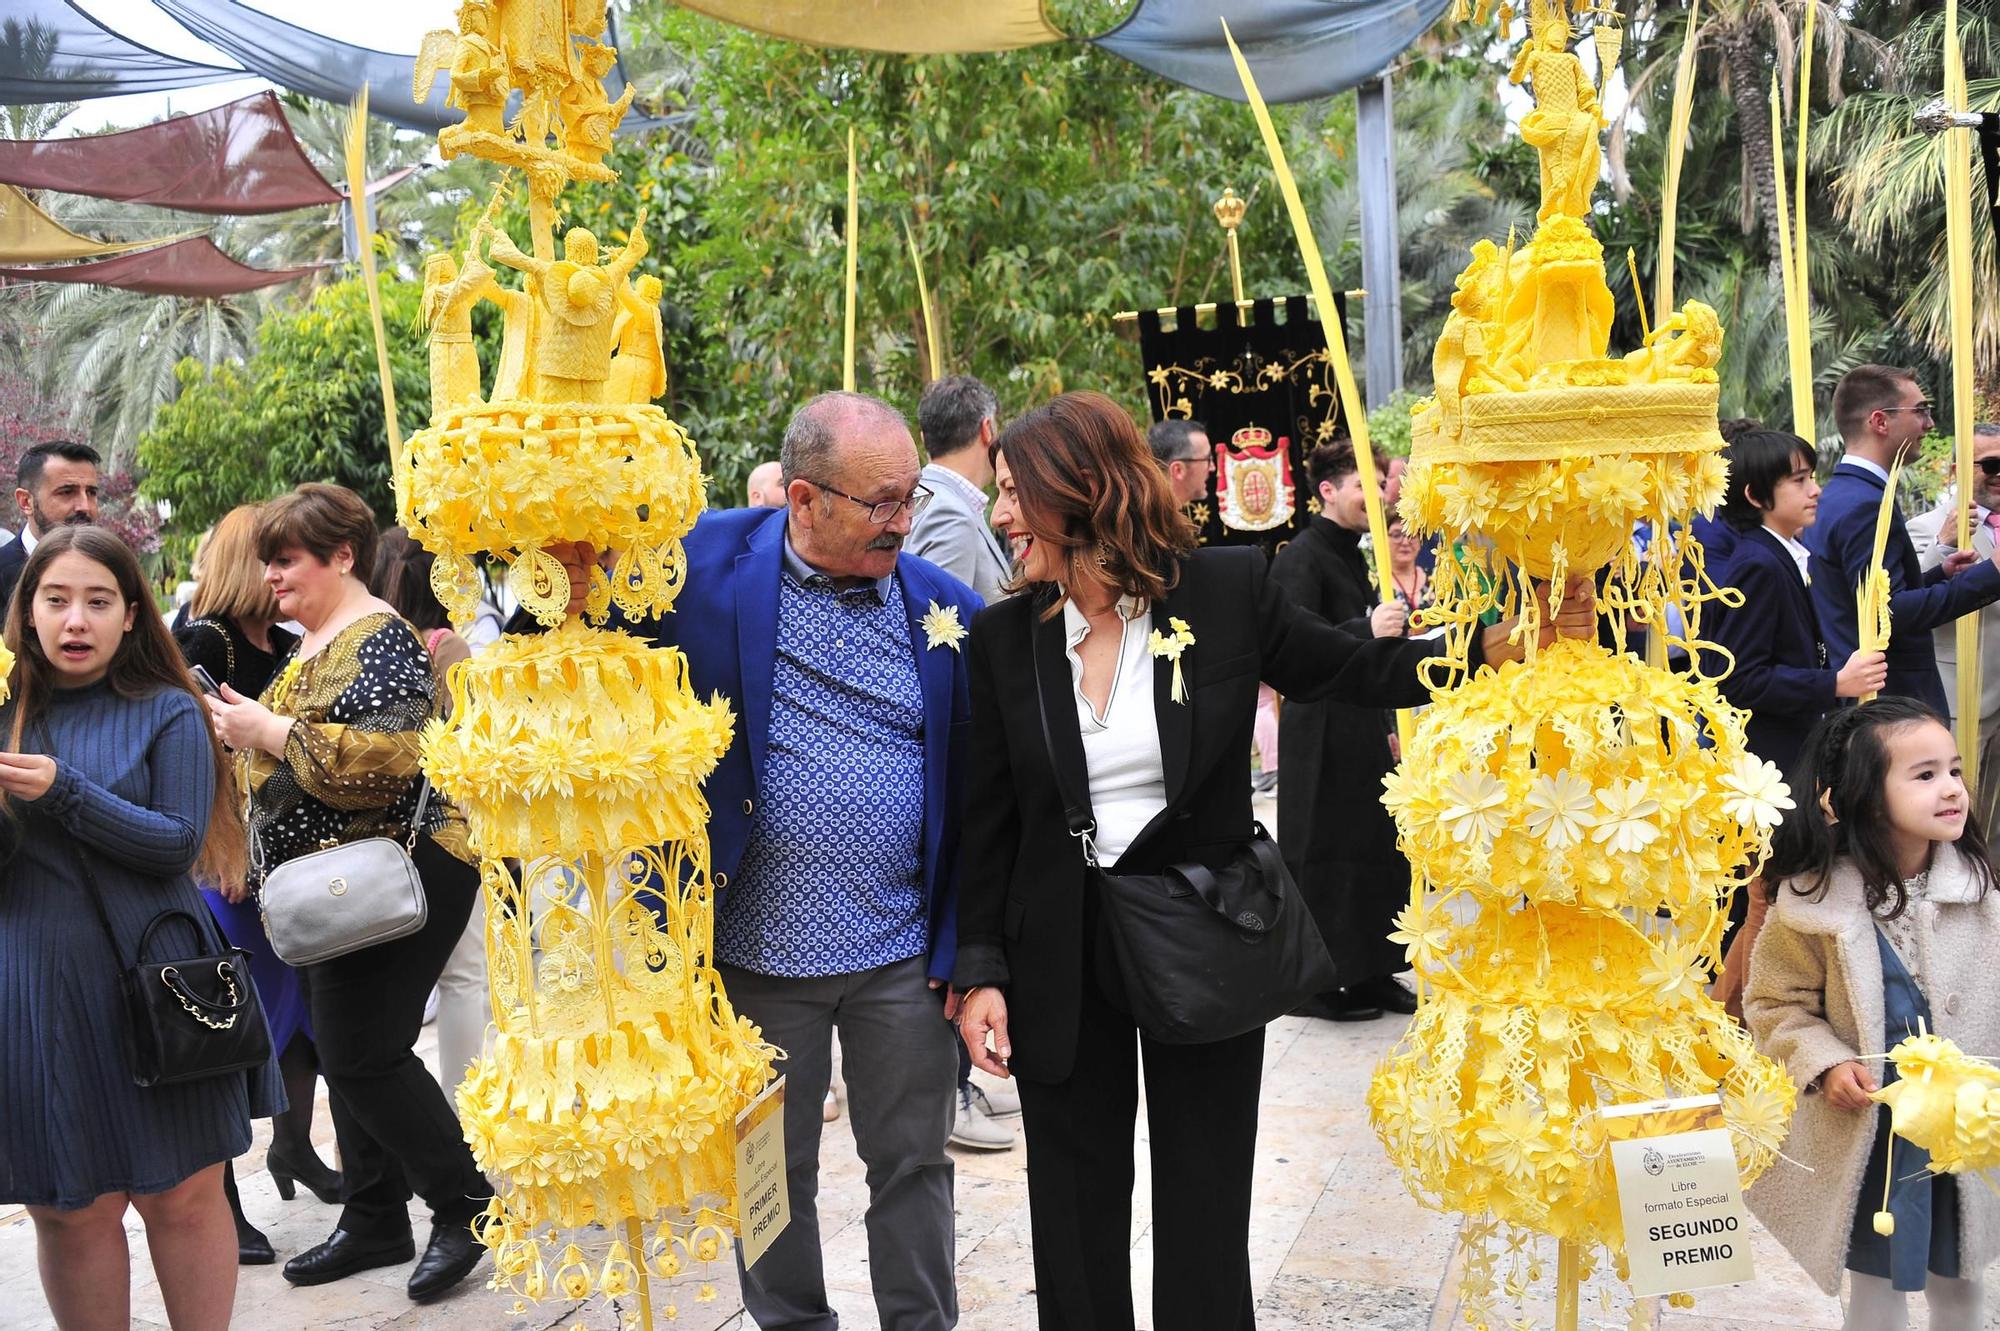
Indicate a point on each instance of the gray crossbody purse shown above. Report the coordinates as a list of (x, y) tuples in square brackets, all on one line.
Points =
[(330, 902)]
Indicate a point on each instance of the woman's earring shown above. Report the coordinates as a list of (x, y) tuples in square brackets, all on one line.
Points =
[(1103, 554)]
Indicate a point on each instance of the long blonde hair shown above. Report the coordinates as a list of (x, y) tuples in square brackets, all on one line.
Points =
[(230, 583)]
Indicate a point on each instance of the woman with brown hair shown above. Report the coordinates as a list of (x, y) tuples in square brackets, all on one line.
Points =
[(331, 757), (1128, 671), (232, 633), (115, 790)]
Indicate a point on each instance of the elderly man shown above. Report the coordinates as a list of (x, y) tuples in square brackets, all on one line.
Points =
[(1935, 535), (56, 482), (834, 837), (958, 416), (1183, 449)]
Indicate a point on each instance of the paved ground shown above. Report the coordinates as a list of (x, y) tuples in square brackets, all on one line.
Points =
[(1337, 1244)]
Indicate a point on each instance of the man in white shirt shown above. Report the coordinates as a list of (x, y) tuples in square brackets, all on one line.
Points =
[(1935, 535)]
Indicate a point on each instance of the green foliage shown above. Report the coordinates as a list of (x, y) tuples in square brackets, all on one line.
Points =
[(307, 406), (1047, 189), (1389, 424)]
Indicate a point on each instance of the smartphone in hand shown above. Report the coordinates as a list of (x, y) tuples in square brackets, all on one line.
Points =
[(206, 681)]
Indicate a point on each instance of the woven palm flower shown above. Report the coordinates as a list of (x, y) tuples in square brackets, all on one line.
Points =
[(1946, 1101), (1583, 777), (497, 481), (576, 740)]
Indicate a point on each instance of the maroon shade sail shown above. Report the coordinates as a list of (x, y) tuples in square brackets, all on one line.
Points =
[(236, 159), (193, 267)]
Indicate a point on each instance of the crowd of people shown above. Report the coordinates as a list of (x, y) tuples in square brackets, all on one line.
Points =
[(959, 722)]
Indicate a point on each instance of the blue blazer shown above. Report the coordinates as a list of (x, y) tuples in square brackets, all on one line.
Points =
[(1841, 542), (1783, 676), (726, 623)]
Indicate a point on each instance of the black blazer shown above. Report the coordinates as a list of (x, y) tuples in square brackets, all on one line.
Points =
[(1782, 675), (1021, 878), (13, 558)]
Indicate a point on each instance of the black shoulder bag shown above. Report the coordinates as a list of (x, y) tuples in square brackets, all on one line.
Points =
[(186, 1019), (1204, 955)]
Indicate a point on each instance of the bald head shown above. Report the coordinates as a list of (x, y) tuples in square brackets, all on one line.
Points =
[(767, 486), (836, 429), (844, 456)]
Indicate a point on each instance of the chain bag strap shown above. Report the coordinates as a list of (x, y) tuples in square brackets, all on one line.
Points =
[(187, 1018)]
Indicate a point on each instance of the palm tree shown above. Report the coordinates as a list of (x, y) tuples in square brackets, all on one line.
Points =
[(1745, 40), (111, 354), (1452, 141), (1888, 187)]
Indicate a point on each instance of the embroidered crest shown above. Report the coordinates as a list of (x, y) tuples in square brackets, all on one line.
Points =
[(1253, 481)]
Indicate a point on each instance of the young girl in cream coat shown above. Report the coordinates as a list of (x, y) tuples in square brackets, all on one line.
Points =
[(1883, 917)]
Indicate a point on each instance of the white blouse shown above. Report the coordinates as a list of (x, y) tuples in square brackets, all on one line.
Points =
[(1121, 748)]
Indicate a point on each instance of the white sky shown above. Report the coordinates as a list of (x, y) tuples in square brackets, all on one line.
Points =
[(386, 25)]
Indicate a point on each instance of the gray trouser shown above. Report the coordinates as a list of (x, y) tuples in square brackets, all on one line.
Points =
[(901, 1069)]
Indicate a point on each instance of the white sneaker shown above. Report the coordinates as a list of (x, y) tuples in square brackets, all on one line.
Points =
[(995, 1098), (974, 1130)]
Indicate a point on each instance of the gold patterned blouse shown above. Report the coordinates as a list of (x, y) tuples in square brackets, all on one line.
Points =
[(351, 765)]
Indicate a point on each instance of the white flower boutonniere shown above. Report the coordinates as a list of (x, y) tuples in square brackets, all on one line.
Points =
[(941, 627), (1161, 645)]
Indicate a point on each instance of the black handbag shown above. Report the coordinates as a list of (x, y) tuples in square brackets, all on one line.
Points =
[(188, 1018), (1204, 954)]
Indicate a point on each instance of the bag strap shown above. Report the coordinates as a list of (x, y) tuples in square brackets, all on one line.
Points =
[(221, 630), (97, 902), (1201, 879), (1076, 811)]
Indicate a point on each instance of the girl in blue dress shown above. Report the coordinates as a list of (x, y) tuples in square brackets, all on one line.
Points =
[(1882, 922), (109, 762)]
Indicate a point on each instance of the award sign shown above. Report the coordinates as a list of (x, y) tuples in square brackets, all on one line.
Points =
[(763, 1206), (1685, 1224)]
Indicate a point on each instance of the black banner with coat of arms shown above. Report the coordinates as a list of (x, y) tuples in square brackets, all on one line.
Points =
[(1263, 386)]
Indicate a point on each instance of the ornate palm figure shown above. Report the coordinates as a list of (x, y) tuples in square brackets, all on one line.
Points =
[(1565, 124), (577, 296)]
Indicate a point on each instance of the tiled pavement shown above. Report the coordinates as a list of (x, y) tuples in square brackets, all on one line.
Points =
[(1337, 1242)]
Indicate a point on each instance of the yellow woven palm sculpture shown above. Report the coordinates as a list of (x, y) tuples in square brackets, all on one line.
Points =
[(604, 1102), (1576, 821), (1946, 1101)]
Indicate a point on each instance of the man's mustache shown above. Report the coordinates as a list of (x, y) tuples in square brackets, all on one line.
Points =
[(886, 543)]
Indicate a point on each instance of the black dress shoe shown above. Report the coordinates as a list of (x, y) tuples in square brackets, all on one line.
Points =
[(1338, 1005), (343, 1254), (448, 1259), (252, 1248), (1387, 993)]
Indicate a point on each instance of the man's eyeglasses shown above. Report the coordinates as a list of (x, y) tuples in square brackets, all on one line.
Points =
[(886, 510), (1208, 457), (1922, 409), (1991, 466)]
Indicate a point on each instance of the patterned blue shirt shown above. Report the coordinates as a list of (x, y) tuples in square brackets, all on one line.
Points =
[(831, 880)]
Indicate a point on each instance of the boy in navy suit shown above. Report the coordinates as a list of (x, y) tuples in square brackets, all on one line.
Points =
[(1883, 414), (1782, 674)]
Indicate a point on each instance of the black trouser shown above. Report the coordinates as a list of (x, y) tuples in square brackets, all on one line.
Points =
[(1201, 1112), (395, 1128)]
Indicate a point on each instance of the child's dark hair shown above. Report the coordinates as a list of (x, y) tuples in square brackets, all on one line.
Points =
[(1758, 460), (1840, 808)]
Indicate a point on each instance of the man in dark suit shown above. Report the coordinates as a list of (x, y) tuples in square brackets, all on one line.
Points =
[(1882, 415), (833, 841), (1338, 840), (55, 482)]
